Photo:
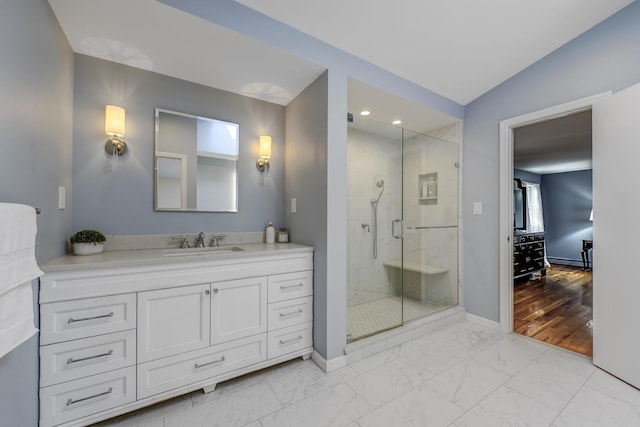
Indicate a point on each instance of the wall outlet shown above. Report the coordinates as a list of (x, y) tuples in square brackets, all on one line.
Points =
[(61, 198), (294, 206)]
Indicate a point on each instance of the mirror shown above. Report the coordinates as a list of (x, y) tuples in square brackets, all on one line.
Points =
[(195, 163), (519, 205)]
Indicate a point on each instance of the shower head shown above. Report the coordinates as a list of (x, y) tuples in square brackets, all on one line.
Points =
[(379, 184)]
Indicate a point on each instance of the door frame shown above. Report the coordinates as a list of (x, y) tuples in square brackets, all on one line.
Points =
[(506, 193)]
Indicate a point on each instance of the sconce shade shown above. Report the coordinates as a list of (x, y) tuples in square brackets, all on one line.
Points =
[(114, 121), (264, 153), (265, 147)]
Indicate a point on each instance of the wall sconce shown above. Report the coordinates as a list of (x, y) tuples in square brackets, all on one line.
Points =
[(265, 153), (114, 127), (591, 215)]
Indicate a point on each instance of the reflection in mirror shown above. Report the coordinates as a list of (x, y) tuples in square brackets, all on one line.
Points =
[(196, 160)]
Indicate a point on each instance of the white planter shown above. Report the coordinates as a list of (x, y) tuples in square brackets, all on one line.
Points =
[(87, 248)]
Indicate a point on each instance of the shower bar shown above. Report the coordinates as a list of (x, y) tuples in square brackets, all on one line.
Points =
[(432, 227)]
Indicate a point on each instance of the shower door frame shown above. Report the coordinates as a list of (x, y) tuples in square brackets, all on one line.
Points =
[(459, 240)]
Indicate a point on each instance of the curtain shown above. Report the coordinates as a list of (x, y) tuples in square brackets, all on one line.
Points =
[(535, 220)]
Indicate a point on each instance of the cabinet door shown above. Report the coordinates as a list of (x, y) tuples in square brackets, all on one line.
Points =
[(172, 321), (238, 309)]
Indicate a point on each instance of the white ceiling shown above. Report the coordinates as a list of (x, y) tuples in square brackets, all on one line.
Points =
[(457, 48), (155, 37)]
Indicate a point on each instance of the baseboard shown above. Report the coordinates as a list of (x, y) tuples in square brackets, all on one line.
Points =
[(329, 365), (565, 261), (482, 321)]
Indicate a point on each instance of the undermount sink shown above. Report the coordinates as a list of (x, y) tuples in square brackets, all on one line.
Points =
[(201, 251)]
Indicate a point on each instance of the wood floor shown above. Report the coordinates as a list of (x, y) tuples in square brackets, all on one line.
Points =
[(556, 308)]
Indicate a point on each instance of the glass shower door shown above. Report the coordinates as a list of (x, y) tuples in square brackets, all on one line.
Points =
[(430, 208), (374, 191)]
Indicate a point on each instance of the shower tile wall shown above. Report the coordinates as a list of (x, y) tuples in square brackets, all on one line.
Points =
[(372, 157)]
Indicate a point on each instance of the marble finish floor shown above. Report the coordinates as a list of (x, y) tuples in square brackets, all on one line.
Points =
[(461, 375)]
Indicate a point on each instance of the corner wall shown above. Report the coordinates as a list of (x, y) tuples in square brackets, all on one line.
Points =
[(36, 107), (306, 181)]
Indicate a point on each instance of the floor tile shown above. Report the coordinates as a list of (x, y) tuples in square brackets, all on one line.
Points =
[(232, 410), (385, 383), (475, 336), (551, 381), (304, 380), (376, 360), (593, 408), (510, 355), (419, 407), (338, 406), (467, 383), (507, 407), (441, 355), (151, 416), (608, 384)]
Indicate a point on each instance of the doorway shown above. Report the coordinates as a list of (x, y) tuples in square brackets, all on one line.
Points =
[(507, 128), (552, 288)]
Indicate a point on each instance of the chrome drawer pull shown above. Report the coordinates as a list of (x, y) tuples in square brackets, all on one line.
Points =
[(71, 319), (197, 366), (298, 338), (291, 286), (291, 313), (70, 361), (71, 401)]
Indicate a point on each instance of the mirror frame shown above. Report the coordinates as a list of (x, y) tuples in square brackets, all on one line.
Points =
[(182, 157)]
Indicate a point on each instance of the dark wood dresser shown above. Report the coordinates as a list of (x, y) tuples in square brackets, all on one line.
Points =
[(528, 254)]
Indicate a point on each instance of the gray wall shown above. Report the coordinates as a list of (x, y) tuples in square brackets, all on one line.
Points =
[(306, 180), (566, 203), (606, 58), (36, 102), (122, 202)]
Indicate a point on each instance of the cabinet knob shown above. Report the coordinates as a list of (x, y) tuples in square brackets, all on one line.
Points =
[(215, 290), (206, 292)]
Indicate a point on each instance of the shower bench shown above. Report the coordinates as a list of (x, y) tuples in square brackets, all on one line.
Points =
[(416, 266)]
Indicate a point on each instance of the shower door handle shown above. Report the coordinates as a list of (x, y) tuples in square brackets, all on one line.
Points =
[(393, 228)]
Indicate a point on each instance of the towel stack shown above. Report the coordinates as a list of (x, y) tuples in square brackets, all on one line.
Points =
[(18, 267)]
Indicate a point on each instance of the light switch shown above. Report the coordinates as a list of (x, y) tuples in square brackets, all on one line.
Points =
[(477, 208), (293, 205), (61, 198)]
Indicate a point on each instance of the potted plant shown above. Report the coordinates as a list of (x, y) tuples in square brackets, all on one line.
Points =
[(88, 242)]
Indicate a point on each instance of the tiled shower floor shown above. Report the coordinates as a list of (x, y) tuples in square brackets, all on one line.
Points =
[(375, 316)]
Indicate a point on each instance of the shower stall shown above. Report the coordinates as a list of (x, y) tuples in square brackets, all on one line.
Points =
[(402, 243)]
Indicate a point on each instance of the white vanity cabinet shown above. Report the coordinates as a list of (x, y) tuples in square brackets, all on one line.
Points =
[(173, 321), (118, 338)]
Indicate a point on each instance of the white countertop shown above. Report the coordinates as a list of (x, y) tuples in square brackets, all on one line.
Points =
[(140, 257)]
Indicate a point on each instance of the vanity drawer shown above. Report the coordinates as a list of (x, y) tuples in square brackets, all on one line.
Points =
[(289, 339), (290, 312), (75, 359), (74, 399), (291, 285), (176, 371), (69, 320)]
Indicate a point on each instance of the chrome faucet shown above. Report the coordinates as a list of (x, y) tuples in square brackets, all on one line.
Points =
[(184, 244), (215, 239), (200, 241)]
